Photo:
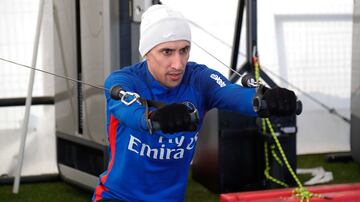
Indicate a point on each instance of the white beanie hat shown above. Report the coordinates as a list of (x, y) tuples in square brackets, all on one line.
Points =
[(160, 24)]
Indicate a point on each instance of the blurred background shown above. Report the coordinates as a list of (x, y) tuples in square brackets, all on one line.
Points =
[(311, 47)]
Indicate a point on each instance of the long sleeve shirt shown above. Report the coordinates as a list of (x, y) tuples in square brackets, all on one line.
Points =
[(154, 167)]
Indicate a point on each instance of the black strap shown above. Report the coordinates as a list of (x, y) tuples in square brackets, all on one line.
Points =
[(147, 104), (157, 104), (152, 103)]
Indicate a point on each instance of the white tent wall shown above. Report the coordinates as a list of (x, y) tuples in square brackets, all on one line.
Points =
[(307, 43), (313, 52), (18, 20)]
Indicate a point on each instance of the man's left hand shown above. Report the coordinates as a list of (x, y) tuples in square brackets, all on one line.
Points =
[(280, 101)]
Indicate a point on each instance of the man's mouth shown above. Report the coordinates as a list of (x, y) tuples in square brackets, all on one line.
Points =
[(175, 76)]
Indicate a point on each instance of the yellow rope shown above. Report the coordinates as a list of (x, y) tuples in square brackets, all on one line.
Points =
[(301, 192), (266, 154), (275, 156), (304, 195), (267, 168), (282, 153)]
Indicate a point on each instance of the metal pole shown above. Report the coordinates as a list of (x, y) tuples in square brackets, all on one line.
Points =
[(237, 34), (28, 100), (251, 30)]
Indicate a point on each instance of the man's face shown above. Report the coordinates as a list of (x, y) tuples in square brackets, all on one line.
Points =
[(167, 62)]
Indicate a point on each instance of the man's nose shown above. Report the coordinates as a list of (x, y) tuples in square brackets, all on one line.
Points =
[(178, 62)]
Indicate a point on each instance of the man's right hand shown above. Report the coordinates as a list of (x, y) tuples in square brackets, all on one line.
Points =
[(173, 118)]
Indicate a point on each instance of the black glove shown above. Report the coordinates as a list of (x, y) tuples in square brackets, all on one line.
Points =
[(173, 118), (280, 101)]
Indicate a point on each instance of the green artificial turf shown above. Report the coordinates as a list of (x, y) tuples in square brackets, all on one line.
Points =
[(44, 191), (197, 193), (343, 172)]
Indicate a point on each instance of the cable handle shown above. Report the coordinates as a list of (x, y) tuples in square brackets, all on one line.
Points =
[(128, 98), (260, 105)]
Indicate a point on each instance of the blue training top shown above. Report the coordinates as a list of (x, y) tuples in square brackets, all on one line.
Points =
[(154, 167)]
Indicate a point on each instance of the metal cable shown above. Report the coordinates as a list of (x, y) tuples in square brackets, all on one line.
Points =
[(331, 110), (56, 75)]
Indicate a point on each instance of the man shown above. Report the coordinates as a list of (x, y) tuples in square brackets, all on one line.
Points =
[(152, 165)]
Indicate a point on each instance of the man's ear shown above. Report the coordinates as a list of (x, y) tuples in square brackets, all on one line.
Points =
[(147, 56)]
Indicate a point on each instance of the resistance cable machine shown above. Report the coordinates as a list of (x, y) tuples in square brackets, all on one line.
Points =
[(280, 164)]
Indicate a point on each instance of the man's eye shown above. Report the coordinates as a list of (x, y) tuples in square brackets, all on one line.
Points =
[(184, 50), (167, 52)]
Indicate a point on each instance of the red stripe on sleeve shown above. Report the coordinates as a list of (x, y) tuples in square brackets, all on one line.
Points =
[(112, 140)]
